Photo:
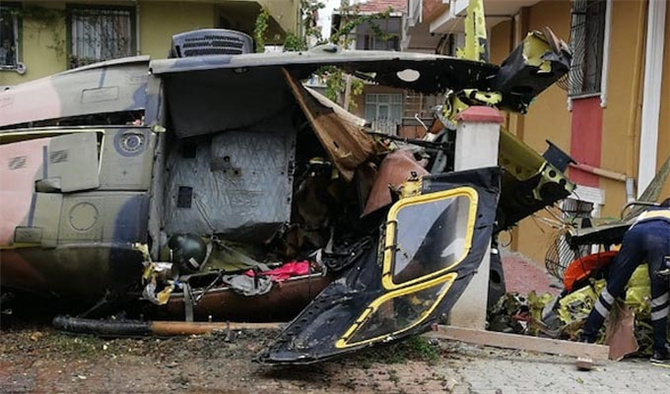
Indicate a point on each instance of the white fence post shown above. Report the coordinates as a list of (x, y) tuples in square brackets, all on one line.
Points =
[(477, 139)]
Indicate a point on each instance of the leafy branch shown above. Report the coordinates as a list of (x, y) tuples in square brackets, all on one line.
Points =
[(261, 29)]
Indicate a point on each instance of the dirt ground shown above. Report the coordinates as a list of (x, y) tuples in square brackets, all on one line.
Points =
[(34, 358), (42, 360), (38, 359)]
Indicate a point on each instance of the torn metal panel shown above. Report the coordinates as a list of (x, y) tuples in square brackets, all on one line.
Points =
[(280, 304), (239, 184), (347, 145), (157, 195), (436, 73), (606, 234), (476, 43), (114, 86), (529, 184), (339, 111), (396, 168), (366, 307), (537, 63), (620, 328)]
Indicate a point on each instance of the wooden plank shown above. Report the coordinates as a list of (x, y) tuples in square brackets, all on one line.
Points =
[(175, 328), (521, 342)]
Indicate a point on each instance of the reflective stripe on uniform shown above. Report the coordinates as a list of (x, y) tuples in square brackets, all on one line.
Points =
[(652, 215), (658, 301), (607, 297), (658, 315), (601, 308)]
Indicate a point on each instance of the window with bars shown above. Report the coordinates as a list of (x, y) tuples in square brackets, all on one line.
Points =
[(587, 38), (99, 34), (384, 111), (9, 38)]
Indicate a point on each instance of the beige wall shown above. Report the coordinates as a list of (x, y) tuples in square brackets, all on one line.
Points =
[(500, 44), (159, 21), (549, 118), (44, 47), (620, 98), (664, 126)]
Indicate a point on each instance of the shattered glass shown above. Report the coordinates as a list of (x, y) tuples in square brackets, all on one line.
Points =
[(399, 313), (440, 231)]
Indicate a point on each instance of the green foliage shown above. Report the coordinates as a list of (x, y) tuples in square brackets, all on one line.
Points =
[(356, 90), (46, 16), (415, 348), (309, 10), (335, 81), (261, 29), (84, 346), (352, 18), (294, 43), (49, 19)]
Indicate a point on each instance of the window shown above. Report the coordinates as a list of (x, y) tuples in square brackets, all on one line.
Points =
[(379, 34), (421, 105), (9, 40), (431, 236), (384, 111), (398, 313), (372, 42), (587, 40), (98, 34)]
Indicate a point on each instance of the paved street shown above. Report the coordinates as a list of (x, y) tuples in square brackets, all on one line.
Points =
[(44, 361)]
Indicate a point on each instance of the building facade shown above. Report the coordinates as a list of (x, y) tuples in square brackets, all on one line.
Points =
[(388, 110), (40, 38), (612, 114)]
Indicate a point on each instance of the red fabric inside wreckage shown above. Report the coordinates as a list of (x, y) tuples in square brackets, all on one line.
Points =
[(286, 271), (582, 267)]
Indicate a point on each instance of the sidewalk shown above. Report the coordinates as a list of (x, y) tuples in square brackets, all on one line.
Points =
[(522, 275)]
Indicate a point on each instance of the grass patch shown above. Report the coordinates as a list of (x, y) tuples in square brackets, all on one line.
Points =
[(415, 348), (84, 346)]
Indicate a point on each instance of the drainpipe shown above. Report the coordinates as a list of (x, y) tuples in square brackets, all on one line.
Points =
[(615, 176), (651, 106), (635, 104)]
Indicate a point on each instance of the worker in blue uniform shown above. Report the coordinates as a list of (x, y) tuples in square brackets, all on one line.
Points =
[(648, 240)]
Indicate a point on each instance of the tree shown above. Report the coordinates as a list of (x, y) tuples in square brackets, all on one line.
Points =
[(340, 87)]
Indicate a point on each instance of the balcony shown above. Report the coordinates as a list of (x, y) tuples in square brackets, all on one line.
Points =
[(451, 21)]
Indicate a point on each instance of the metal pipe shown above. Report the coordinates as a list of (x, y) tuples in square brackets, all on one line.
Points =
[(630, 189), (139, 328), (172, 328), (633, 109), (617, 176), (637, 204), (138, 46)]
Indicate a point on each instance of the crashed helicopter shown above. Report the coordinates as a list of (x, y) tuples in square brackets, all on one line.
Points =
[(215, 183)]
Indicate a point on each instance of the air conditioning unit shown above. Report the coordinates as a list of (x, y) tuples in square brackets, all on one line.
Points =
[(207, 42)]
